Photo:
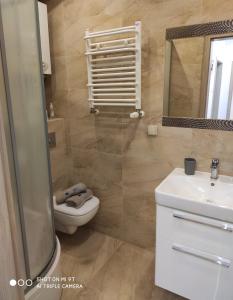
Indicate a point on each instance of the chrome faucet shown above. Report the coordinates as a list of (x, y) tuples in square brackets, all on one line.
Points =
[(214, 168)]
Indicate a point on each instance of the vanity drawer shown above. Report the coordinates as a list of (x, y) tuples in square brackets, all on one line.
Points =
[(206, 234), (194, 255)]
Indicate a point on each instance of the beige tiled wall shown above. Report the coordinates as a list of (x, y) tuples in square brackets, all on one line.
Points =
[(110, 152), (60, 160)]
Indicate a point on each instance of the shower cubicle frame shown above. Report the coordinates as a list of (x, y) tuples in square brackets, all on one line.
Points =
[(16, 235), (11, 262)]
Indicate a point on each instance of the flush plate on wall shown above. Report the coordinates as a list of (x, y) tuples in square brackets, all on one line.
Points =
[(52, 139)]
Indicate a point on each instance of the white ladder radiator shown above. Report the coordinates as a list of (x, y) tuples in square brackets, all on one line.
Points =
[(114, 68)]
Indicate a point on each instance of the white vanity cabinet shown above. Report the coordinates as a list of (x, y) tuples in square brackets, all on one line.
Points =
[(194, 255), (44, 38)]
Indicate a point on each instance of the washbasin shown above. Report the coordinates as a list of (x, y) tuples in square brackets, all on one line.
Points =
[(197, 194)]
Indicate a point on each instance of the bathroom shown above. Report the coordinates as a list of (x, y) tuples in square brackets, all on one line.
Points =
[(121, 158)]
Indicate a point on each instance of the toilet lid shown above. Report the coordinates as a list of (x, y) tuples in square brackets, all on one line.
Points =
[(87, 207)]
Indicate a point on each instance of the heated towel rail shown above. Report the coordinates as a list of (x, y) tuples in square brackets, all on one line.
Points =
[(114, 68)]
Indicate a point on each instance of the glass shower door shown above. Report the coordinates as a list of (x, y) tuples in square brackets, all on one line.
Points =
[(25, 96)]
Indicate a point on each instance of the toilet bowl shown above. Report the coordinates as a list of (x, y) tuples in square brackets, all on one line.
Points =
[(68, 219)]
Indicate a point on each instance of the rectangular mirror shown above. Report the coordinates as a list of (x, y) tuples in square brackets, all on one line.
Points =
[(198, 89)]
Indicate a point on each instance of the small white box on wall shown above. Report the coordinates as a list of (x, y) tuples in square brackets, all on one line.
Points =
[(152, 130)]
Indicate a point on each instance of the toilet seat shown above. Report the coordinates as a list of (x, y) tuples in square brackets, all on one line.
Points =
[(87, 207)]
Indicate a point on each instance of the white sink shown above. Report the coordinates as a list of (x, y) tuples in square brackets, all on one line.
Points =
[(198, 194)]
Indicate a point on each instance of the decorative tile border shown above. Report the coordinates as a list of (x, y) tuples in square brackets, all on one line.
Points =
[(200, 30), (226, 125)]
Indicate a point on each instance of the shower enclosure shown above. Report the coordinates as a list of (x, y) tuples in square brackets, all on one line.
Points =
[(25, 121)]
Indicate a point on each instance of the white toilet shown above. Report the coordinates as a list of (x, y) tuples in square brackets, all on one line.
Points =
[(68, 219)]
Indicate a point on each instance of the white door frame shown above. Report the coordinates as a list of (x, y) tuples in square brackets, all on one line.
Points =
[(230, 96), (217, 89)]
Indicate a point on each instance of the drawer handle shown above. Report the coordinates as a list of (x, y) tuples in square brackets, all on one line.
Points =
[(201, 220), (203, 255)]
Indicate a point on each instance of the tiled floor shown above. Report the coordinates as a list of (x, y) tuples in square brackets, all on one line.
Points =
[(108, 269)]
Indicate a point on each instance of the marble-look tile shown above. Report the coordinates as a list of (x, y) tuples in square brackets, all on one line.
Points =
[(83, 255), (102, 172), (59, 159), (150, 158), (109, 269), (90, 248), (48, 91), (78, 105), (168, 148), (109, 217), (130, 129), (139, 200), (139, 213), (60, 167), (138, 231), (215, 10), (208, 144), (114, 284), (110, 152), (58, 125), (109, 134), (76, 71), (104, 134), (136, 139), (56, 27), (59, 100), (103, 169), (139, 171), (173, 144), (59, 78), (83, 133), (80, 16), (120, 278)]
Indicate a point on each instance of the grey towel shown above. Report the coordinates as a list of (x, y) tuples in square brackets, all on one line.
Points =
[(61, 196), (79, 199)]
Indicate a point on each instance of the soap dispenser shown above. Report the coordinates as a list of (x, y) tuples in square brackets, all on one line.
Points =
[(52, 114)]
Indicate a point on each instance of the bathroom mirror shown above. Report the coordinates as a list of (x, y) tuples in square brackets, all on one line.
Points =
[(198, 89)]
